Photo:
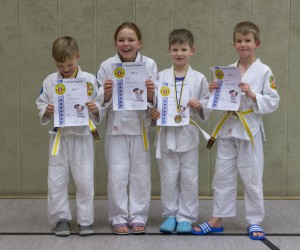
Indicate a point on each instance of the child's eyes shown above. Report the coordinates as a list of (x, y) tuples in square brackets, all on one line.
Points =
[(129, 40), (247, 41)]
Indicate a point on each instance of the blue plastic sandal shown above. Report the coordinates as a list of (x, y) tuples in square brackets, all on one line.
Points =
[(184, 227), (207, 229), (169, 225), (255, 229)]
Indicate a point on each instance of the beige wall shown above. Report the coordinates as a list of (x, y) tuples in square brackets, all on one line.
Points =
[(28, 28)]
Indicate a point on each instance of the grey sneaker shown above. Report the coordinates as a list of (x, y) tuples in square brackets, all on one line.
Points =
[(62, 228), (86, 230)]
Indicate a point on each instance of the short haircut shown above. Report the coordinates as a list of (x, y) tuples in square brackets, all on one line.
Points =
[(245, 28), (131, 26), (181, 36), (64, 48)]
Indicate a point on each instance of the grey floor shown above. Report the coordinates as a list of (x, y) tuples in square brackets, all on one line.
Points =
[(24, 226)]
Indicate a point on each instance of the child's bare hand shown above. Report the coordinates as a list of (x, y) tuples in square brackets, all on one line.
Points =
[(150, 85), (213, 86), (154, 114), (108, 88), (49, 110), (92, 107), (245, 88), (194, 103)]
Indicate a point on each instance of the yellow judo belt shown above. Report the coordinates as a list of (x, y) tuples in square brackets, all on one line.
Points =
[(241, 116), (144, 134), (56, 143)]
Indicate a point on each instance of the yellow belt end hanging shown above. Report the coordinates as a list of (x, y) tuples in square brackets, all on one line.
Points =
[(144, 135), (210, 143), (94, 131), (56, 143), (96, 135)]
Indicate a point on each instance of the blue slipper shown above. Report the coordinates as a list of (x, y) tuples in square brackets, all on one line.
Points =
[(184, 227), (169, 225), (207, 229), (255, 229)]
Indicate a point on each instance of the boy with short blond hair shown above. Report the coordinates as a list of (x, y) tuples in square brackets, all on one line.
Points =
[(76, 148), (240, 148)]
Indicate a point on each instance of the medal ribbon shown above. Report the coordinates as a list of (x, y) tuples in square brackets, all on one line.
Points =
[(178, 101)]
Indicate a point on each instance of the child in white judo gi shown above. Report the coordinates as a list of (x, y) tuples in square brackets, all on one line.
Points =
[(76, 147), (178, 145), (240, 148), (126, 139)]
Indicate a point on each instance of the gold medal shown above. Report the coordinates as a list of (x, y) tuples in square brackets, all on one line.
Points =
[(178, 118)]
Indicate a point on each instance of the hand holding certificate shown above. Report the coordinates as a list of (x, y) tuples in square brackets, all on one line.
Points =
[(129, 88), (70, 96), (228, 95)]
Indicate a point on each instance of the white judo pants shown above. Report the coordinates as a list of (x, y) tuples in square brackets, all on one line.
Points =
[(76, 158), (129, 179), (179, 184), (236, 155)]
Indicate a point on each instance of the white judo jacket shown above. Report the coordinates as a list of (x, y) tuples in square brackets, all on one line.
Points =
[(46, 97), (185, 138), (261, 80), (124, 122)]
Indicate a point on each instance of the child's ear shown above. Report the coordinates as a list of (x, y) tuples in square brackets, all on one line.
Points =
[(257, 43), (193, 50), (140, 44)]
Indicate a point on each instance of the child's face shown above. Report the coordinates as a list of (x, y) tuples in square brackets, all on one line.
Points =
[(245, 45), (181, 53), (68, 67), (127, 44)]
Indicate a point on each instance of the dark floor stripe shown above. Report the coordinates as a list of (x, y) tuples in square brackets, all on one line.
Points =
[(270, 244), (159, 234)]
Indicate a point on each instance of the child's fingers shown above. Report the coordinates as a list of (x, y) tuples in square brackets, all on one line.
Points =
[(150, 85), (154, 114)]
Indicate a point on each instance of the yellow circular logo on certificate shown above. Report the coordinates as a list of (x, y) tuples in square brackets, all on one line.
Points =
[(119, 72), (219, 74), (164, 91), (60, 89)]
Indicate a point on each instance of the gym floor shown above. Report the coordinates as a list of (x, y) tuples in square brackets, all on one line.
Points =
[(24, 226)]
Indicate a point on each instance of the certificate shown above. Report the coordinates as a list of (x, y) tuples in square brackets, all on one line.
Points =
[(228, 95), (129, 87), (70, 96), (172, 104)]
